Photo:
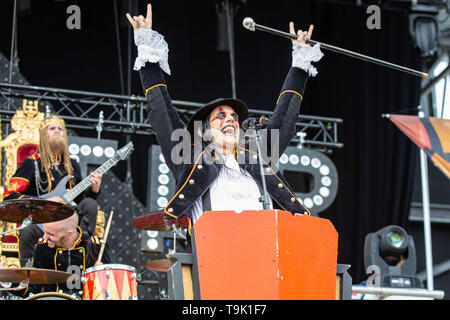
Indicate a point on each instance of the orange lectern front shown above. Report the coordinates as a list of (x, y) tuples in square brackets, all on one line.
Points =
[(265, 254)]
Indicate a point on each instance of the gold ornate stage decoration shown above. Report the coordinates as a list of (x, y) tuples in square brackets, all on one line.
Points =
[(25, 124), (22, 142)]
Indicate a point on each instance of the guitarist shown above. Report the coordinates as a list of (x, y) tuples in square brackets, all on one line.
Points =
[(40, 173)]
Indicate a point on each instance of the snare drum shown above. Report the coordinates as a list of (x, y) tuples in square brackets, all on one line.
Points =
[(110, 282), (50, 296)]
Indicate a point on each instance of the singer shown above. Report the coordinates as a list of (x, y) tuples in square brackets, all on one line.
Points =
[(226, 183)]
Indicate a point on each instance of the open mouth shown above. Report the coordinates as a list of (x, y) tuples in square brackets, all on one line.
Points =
[(228, 130)]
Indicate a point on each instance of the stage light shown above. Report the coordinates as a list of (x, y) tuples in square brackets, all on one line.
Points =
[(97, 151), (392, 252), (424, 28), (90, 152), (312, 176), (153, 245)]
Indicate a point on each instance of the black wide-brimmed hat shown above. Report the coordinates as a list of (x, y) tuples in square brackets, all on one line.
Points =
[(239, 107)]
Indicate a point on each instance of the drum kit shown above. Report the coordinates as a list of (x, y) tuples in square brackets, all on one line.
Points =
[(156, 220), (101, 282)]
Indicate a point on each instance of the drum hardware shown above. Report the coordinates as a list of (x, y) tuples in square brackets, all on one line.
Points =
[(178, 230), (25, 223), (10, 297), (22, 285), (143, 282), (148, 282), (164, 265), (51, 296)]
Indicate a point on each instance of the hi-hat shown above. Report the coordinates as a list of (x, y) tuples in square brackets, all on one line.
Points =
[(162, 265), (40, 210), (35, 275)]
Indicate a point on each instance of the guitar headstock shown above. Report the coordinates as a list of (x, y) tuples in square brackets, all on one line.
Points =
[(125, 151)]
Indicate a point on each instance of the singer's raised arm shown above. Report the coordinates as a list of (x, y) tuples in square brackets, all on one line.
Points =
[(290, 98), (151, 62), (216, 171)]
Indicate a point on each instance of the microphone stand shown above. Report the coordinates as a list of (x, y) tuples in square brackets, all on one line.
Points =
[(257, 136), (252, 26)]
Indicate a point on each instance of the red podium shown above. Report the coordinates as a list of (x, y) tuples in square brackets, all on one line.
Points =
[(265, 254)]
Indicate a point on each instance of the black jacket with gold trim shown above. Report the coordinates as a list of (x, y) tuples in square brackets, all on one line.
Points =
[(194, 177), (83, 255), (23, 183)]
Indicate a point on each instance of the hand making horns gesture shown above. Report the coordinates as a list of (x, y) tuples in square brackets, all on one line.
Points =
[(141, 22), (302, 35)]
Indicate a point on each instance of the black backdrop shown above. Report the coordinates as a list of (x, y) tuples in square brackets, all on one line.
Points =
[(376, 164)]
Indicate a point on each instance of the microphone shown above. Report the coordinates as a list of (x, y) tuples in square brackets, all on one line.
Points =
[(253, 123), (263, 121)]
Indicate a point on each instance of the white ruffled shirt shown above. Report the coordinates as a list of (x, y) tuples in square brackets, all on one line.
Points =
[(303, 55), (234, 189), (151, 48)]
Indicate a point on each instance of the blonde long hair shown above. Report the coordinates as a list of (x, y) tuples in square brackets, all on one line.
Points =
[(48, 159)]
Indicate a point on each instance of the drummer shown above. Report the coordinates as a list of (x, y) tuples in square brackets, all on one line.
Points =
[(65, 247)]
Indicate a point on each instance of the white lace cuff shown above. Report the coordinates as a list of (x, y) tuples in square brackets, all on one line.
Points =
[(151, 48), (303, 55)]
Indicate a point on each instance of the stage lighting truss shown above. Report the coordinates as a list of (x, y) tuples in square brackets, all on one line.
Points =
[(128, 114)]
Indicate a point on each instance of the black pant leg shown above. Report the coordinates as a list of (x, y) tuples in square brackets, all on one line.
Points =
[(28, 237), (87, 210)]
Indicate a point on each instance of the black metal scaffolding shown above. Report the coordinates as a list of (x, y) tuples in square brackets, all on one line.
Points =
[(128, 114)]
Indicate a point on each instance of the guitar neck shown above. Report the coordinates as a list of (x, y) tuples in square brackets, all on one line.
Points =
[(86, 183)]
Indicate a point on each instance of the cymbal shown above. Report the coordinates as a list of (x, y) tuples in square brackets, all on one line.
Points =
[(156, 220), (36, 275), (162, 265), (41, 210)]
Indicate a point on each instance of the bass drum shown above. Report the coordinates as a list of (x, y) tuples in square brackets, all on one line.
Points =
[(50, 296)]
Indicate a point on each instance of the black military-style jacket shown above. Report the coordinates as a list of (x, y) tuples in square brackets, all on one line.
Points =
[(23, 183), (194, 177), (83, 255)]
